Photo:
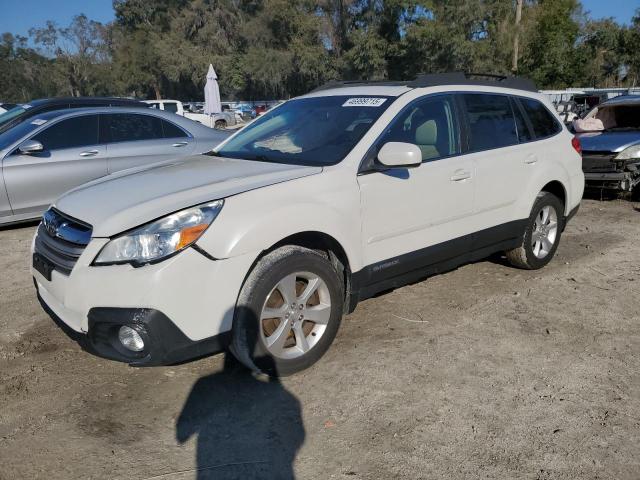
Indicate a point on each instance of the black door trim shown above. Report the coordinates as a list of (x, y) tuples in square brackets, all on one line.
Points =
[(442, 257)]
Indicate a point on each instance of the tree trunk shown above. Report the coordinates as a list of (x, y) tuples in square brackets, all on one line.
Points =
[(516, 38), (156, 89)]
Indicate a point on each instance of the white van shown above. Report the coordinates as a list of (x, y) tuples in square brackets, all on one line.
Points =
[(265, 243)]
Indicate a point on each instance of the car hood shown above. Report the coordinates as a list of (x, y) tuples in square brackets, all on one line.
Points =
[(608, 141), (130, 198)]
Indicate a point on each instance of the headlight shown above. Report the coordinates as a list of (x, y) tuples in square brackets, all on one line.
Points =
[(161, 238), (629, 153)]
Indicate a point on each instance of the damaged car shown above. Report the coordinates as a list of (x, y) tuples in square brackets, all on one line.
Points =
[(610, 139)]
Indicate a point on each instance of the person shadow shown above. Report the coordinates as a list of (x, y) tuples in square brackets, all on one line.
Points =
[(247, 427)]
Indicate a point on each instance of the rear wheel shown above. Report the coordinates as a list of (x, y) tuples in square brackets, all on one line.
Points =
[(288, 311), (220, 125), (542, 235)]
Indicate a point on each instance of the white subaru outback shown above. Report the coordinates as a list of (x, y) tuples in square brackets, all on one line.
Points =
[(262, 245)]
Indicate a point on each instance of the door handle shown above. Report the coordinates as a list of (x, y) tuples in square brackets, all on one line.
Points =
[(89, 153), (460, 175), (180, 144), (531, 159)]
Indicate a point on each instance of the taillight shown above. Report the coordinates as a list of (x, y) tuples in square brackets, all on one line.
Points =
[(575, 143)]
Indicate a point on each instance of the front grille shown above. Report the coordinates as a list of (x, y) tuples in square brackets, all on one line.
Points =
[(598, 162), (61, 240)]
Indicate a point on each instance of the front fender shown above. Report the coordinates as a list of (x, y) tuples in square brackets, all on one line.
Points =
[(256, 220)]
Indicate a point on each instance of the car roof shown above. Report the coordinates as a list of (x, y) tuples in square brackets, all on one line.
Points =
[(82, 100), (440, 79), (622, 99)]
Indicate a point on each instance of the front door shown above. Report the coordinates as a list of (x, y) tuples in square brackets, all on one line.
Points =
[(72, 156), (414, 217)]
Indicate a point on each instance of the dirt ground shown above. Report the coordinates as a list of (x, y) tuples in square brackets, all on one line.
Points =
[(483, 372)]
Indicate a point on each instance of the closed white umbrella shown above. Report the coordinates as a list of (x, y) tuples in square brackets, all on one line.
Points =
[(212, 93)]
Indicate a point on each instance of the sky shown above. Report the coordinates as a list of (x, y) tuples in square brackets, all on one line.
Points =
[(18, 16)]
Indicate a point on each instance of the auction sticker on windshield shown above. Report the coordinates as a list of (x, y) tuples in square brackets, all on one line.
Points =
[(364, 102)]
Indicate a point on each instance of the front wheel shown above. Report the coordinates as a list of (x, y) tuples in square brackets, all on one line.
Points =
[(220, 125), (288, 311), (542, 234)]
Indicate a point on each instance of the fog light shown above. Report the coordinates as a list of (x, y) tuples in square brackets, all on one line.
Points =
[(130, 339)]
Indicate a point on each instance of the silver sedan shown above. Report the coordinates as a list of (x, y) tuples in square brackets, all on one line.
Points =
[(57, 151)]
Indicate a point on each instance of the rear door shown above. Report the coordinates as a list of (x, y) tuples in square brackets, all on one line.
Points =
[(135, 139), (72, 156), (501, 163)]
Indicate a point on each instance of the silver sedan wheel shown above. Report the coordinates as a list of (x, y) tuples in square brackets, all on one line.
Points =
[(295, 315), (545, 231)]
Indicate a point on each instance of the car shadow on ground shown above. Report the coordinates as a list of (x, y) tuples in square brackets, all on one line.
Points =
[(246, 426)]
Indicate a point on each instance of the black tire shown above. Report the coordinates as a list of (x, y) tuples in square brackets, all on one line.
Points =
[(524, 256), (220, 125), (248, 344)]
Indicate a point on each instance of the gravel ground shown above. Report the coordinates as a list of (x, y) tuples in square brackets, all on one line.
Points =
[(483, 372)]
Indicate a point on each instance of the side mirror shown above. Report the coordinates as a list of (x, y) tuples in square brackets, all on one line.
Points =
[(30, 146), (400, 155)]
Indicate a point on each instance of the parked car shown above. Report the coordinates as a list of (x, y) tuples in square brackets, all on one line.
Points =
[(6, 106), (218, 121), (62, 149), (267, 242), (25, 111), (611, 156)]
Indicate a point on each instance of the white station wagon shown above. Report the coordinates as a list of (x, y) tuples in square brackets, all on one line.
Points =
[(262, 245)]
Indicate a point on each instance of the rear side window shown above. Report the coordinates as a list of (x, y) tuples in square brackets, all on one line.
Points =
[(542, 121), (74, 132), (172, 131), (491, 121), (131, 127)]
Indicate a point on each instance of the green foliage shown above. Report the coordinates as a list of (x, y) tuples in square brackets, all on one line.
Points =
[(280, 48)]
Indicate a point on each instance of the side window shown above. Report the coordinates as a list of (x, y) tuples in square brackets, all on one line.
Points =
[(131, 127), (524, 134), (172, 131), (74, 132), (171, 107), (430, 124), (491, 121), (543, 122)]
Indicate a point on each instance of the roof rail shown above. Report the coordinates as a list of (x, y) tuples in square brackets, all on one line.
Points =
[(461, 78), (438, 79)]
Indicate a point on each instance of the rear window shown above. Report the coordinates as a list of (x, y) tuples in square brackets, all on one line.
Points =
[(491, 121), (544, 124)]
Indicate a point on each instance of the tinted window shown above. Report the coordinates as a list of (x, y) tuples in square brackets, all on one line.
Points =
[(172, 131), (524, 134), (429, 124), (543, 122), (491, 121), (171, 107), (71, 133), (130, 127)]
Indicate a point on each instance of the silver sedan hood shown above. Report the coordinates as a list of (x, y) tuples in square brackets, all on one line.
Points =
[(130, 198)]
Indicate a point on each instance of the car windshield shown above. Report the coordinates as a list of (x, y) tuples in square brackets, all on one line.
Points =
[(308, 131), (11, 114)]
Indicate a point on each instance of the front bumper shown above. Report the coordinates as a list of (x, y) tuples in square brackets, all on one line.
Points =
[(164, 343), (625, 181), (183, 306)]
